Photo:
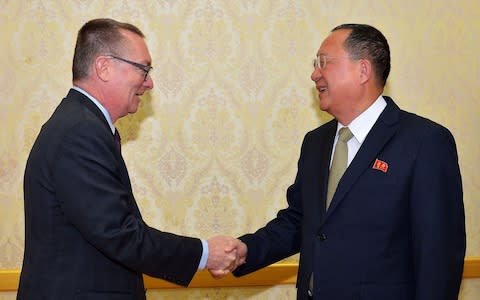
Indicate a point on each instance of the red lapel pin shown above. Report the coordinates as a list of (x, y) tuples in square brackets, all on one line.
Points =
[(380, 165)]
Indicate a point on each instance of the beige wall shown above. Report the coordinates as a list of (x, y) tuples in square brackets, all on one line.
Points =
[(215, 144)]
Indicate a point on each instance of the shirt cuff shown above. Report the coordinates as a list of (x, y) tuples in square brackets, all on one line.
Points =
[(203, 260)]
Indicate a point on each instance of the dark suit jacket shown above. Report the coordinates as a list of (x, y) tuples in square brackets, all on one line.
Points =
[(389, 234), (84, 235)]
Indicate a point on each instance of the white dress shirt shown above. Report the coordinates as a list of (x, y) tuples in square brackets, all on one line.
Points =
[(360, 127)]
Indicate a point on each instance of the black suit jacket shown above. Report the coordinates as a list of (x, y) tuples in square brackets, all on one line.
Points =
[(84, 234), (395, 229)]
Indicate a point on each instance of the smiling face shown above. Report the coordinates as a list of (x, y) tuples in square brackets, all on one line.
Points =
[(127, 82), (338, 81)]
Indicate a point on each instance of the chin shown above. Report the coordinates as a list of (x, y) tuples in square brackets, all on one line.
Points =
[(323, 105), (134, 107)]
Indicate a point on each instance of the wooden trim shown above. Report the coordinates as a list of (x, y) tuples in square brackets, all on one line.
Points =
[(9, 280), (472, 267), (280, 273)]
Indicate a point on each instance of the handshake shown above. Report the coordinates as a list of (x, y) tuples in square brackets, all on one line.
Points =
[(225, 254)]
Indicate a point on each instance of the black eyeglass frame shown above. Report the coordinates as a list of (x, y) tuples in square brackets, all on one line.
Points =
[(145, 68)]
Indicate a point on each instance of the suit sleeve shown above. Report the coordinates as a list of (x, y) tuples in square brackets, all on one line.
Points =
[(97, 199), (280, 237), (437, 217)]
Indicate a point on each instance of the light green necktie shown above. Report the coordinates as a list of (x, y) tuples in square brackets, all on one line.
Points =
[(339, 162), (339, 165)]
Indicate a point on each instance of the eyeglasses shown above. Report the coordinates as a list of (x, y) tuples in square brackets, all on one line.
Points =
[(145, 68), (321, 60)]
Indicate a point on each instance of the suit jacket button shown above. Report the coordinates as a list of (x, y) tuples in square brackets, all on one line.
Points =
[(322, 236)]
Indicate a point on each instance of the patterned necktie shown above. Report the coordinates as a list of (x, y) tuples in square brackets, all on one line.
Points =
[(339, 162), (118, 140)]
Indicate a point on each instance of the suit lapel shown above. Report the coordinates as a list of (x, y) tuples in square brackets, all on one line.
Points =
[(381, 132), (324, 164), (315, 174), (84, 101)]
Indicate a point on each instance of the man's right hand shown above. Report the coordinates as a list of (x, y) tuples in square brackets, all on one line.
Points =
[(224, 255)]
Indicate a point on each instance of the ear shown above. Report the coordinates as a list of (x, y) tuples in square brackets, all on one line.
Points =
[(103, 68), (366, 71)]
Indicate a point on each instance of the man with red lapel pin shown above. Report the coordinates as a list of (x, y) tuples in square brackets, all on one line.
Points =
[(376, 209)]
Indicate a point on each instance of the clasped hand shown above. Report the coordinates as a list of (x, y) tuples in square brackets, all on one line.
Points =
[(225, 254)]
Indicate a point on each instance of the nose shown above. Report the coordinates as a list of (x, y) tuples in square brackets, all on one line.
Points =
[(316, 74), (148, 83)]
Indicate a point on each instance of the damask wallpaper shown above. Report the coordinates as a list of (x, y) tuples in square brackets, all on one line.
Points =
[(215, 144)]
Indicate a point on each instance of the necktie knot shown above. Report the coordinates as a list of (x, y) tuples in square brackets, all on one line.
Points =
[(344, 134)]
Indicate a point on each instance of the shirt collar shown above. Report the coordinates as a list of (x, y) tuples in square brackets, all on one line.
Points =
[(100, 106), (362, 124)]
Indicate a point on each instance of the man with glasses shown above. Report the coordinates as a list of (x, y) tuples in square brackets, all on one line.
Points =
[(84, 234), (376, 209)]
